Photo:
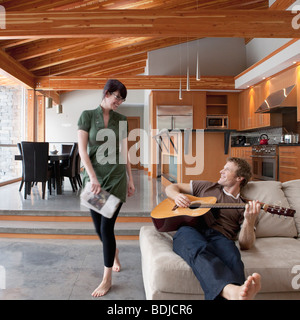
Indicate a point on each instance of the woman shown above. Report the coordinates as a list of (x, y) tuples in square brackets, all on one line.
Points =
[(102, 131)]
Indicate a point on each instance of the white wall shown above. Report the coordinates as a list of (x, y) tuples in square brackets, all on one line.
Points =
[(259, 48), (63, 127), (217, 56)]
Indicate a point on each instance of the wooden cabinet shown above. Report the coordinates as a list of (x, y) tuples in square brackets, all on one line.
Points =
[(218, 103), (250, 100), (289, 163), (242, 152)]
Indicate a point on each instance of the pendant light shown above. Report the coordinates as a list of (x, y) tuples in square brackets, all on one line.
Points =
[(198, 76), (188, 70), (48, 102), (188, 79), (59, 107), (180, 90), (180, 84)]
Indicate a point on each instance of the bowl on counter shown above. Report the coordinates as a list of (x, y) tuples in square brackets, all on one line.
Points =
[(54, 151)]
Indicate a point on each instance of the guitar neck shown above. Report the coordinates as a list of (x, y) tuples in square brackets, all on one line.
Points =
[(218, 205)]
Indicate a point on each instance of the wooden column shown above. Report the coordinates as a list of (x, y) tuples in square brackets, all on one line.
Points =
[(40, 118), (31, 116)]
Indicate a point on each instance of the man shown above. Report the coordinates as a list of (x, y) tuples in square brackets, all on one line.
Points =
[(209, 248)]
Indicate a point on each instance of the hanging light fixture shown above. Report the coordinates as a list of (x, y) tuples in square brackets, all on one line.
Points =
[(59, 108), (188, 70), (180, 84), (197, 68), (198, 64), (48, 102), (180, 90), (188, 79)]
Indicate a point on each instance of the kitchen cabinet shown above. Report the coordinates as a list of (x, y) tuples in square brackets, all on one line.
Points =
[(289, 163), (243, 153), (224, 104)]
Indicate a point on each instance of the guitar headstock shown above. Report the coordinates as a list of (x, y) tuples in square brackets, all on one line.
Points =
[(286, 212)]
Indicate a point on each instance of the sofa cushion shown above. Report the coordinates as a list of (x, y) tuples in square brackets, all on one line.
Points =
[(163, 269), (292, 192), (271, 192), (165, 273), (274, 259)]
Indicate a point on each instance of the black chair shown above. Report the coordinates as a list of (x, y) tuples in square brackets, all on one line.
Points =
[(77, 174), (22, 181), (66, 148), (69, 169), (35, 165)]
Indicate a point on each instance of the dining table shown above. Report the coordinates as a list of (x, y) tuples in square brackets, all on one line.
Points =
[(54, 158)]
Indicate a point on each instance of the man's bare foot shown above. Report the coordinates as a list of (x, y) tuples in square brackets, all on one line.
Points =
[(102, 289), (117, 264), (247, 291)]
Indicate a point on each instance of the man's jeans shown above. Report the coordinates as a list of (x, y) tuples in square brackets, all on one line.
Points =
[(214, 259)]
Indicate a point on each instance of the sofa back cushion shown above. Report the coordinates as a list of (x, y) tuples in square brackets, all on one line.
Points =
[(271, 193), (292, 192)]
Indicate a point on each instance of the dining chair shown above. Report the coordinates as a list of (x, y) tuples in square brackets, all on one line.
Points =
[(77, 173), (22, 181), (35, 165), (69, 169), (66, 148)]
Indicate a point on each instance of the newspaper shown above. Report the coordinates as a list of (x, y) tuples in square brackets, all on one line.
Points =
[(103, 203)]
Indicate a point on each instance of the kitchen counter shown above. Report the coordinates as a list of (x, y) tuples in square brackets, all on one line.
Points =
[(289, 144)]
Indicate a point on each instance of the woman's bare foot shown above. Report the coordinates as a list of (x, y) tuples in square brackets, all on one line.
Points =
[(105, 285), (117, 264), (247, 291), (102, 289)]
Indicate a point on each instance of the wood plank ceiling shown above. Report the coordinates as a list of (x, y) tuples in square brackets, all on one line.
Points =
[(85, 62)]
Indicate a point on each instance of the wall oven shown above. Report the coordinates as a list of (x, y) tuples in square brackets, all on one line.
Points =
[(265, 162)]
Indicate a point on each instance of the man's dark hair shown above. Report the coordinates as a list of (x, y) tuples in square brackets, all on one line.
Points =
[(244, 170)]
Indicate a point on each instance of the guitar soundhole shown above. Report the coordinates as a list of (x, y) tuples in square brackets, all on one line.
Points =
[(194, 206)]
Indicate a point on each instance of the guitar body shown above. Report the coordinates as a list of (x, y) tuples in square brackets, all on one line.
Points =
[(166, 216), (166, 219)]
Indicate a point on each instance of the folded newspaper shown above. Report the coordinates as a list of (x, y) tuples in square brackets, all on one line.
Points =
[(103, 202)]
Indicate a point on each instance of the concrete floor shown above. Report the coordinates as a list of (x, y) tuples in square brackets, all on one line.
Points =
[(70, 269)]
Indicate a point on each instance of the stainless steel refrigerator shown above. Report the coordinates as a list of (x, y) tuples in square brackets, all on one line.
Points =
[(171, 118), (174, 117)]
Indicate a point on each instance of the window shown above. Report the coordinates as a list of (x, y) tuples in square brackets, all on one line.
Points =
[(12, 130)]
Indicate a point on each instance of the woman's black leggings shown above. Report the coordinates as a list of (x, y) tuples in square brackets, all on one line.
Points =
[(105, 230)]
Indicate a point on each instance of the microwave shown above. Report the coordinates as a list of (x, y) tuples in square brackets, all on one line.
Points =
[(217, 122)]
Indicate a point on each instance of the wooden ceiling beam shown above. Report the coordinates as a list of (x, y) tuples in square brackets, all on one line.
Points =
[(135, 82), (12, 68), (44, 47), (60, 66), (113, 65), (83, 49), (198, 23)]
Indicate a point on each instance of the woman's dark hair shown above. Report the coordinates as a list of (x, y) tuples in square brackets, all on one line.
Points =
[(113, 85), (244, 169)]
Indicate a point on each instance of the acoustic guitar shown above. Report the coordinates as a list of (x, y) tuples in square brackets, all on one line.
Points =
[(166, 216)]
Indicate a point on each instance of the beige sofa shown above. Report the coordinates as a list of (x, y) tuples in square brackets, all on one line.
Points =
[(275, 255)]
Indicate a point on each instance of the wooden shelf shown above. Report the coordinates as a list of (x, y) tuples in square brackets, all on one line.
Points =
[(216, 104)]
